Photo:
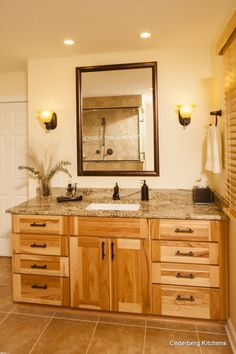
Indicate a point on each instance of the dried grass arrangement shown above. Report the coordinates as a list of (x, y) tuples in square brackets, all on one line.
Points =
[(44, 170)]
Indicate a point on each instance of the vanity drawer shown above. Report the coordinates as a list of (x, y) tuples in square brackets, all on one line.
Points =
[(40, 244), (185, 252), (109, 227), (195, 230), (40, 224), (41, 289), (41, 265), (186, 302), (185, 274)]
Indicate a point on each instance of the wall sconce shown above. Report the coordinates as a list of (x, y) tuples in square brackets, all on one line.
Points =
[(184, 113), (49, 118)]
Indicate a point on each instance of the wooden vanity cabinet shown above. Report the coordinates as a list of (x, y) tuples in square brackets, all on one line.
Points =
[(109, 263), (40, 260), (189, 268)]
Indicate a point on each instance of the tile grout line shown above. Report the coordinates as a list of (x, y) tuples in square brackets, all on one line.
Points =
[(93, 334), (8, 314), (40, 336), (144, 339), (198, 338)]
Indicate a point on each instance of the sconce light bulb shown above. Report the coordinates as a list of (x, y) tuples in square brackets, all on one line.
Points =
[(49, 118), (186, 111), (45, 116)]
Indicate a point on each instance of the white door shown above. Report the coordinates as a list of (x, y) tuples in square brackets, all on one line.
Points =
[(13, 150)]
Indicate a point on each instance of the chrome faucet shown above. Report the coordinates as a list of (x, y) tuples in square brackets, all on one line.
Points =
[(116, 192)]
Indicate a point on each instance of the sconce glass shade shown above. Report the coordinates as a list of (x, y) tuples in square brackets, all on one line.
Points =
[(49, 118), (185, 113)]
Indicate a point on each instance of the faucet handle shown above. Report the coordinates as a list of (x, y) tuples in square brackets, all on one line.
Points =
[(116, 192)]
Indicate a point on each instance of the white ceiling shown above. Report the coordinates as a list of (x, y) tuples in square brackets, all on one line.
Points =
[(36, 28)]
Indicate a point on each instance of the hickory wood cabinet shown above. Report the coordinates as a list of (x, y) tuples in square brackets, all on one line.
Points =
[(40, 260), (189, 268), (152, 266), (109, 264)]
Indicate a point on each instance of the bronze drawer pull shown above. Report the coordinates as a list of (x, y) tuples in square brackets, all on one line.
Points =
[(187, 230), (184, 298), (38, 225), (189, 276), (178, 253), (112, 251), (103, 249), (36, 286), (35, 266), (37, 245)]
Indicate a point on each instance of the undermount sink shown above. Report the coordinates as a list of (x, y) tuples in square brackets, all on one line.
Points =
[(110, 206)]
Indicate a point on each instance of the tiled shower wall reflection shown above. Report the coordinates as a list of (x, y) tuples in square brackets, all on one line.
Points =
[(111, 128)]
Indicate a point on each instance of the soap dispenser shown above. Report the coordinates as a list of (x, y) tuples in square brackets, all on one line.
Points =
[(144, 191)]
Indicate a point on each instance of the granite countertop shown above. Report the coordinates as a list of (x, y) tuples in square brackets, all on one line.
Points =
[(162, 204)]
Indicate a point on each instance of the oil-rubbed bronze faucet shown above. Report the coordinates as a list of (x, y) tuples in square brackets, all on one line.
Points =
[(116, 192)]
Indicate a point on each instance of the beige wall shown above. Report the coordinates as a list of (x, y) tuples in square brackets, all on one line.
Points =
[(13, 84), (182, 77)]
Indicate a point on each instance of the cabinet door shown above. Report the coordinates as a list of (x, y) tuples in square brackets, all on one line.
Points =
[(130, 275), (89, 267)]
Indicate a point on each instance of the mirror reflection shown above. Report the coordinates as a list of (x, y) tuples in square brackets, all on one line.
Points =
[(117, 120)]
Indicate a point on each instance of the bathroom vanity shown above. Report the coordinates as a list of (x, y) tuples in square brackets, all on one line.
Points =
[(168, 258)]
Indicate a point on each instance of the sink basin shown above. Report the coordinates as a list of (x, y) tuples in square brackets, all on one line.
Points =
[(109, 206)]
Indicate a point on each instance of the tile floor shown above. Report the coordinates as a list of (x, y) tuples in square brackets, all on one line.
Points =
[(26, 329)]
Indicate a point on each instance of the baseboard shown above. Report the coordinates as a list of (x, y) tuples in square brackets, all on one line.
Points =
[(231, 334), (5, 247)]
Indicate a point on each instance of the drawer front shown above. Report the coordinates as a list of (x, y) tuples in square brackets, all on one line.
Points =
[(185, 252), (40, 244), (185, 274), (40, 224), (109, 227), (41, 265), (195, 230), (41, 289), (186, 302)]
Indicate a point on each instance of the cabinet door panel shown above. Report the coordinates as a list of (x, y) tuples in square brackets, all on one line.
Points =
[(40, 224), (40, 244), (108, 227), (41, 289), (131, 276), (41, 265), (185, 252), (193, 302), (89, 266)]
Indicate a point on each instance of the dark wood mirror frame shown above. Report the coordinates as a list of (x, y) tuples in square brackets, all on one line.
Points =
[(79, 109)]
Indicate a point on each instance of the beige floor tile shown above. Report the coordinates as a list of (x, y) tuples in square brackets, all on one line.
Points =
[(6, 302), (35, 310), (18, 333), (5, 279), (211, 327), (65, 337), (75, 314), (172, 324), (165, 341), (122, 319), (3, 316), (5, 261), (211, 343), (117, 339)]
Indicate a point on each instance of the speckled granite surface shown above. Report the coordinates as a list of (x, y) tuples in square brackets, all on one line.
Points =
[(163, 203)]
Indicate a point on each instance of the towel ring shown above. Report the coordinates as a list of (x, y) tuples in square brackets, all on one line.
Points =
[(216, 114)]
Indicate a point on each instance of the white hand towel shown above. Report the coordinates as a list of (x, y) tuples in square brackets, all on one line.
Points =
[(214, 150)]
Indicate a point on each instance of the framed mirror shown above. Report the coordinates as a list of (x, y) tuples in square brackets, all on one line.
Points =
[(117, 120)]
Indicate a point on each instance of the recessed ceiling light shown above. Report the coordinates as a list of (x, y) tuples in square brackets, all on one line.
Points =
[(69, 42), (145, 34)]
